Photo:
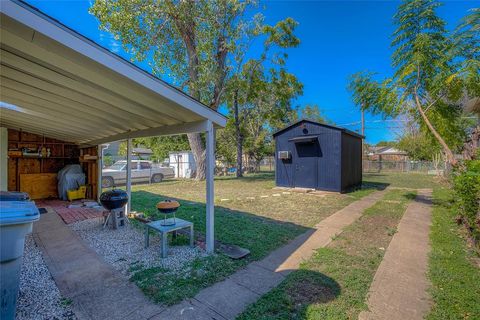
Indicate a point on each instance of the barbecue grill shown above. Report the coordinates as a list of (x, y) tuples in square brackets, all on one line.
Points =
[(114, 201), (168, 207)]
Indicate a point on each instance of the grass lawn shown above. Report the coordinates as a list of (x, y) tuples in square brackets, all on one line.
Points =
[(402, 180), (334, 283), (454, 270), (261, 224)]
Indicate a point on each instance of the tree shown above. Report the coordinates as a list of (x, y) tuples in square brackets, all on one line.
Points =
[(249, 90), (314, 113), (430, 78), (188, 40), (418, 145), (161, 146), (386, 144), (271, 110)]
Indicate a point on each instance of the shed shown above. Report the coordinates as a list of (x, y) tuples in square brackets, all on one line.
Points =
[(183, 163), (318, 156)]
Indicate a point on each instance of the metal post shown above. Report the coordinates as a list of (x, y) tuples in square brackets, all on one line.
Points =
[(129, 176), (210, 167), (99, 170)]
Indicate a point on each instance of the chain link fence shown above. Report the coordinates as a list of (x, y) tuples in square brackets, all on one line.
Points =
[(404, 166)]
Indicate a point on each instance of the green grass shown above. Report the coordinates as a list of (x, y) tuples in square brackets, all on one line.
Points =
[(334, 283), (402, 180), (260, 224), (455, 277)]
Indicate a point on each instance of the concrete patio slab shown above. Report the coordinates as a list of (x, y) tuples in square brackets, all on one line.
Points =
[(399, 289), (188, 310), (227, 298), (257, 279)]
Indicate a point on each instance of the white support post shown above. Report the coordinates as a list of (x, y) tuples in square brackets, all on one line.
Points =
[(210, 168), (129, 176), (99, 170)]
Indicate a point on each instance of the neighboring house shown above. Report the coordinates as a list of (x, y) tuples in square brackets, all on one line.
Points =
[(318, 156), (183, 163), (140, 153), (111, 149), (378, 153)]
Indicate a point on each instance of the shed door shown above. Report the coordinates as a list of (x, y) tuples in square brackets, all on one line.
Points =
[(305, 164)]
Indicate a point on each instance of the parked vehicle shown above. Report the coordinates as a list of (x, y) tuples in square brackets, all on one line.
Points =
[(142, 171)]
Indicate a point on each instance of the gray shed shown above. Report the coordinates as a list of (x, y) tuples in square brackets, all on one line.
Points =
[(318, 156)]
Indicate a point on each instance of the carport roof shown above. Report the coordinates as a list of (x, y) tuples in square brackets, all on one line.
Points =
[(58, 83)]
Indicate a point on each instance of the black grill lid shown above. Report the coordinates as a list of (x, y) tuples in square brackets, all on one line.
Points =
[(113, 199)]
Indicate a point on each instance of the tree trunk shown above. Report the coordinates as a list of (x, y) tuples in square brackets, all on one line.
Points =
[(238, 136), (448, 153), (198, 150)]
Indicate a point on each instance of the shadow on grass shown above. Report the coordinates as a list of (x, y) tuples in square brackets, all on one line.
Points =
[(368, 185), (293, 296), (260, 235)]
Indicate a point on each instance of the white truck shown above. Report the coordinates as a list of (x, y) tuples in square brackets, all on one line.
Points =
[(142, 171)]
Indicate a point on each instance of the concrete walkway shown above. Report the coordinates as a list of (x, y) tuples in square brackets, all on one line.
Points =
[(399, 289), (96, 290), (227, 299)]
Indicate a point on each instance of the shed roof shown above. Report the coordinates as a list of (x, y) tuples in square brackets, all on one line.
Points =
[(320, 124), (57, 83)]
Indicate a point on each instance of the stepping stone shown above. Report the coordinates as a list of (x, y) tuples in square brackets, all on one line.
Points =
[(233, 251), (263, 196), (227, 298), (250, 198), (224, 200), (286, 192), (276, 195)]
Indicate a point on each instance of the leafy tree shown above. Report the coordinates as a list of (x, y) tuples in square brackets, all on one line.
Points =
[(314, 113), (386, 144), (161, 146), (260, 90), (188, 40), (226, 144), (431, 75), (418, 145)]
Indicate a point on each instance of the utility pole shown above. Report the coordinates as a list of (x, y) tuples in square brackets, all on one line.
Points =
[(363, 134), (363, 123)]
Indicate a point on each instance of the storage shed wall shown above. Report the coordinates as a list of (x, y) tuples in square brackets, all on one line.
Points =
[(328, 163), (38, 172), (351, 161)]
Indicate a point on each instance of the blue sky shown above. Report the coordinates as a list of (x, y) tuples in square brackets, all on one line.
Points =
[(338, 38)]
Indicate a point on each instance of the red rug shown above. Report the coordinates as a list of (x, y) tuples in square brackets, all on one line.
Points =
[(70, 215)]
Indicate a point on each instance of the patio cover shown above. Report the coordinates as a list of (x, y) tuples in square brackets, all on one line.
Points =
[(57, 83)]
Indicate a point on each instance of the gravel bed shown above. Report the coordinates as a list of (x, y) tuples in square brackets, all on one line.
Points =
[(124, 248), (39, 297)]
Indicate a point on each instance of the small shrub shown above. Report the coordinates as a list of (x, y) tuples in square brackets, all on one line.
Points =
[(466, 185)]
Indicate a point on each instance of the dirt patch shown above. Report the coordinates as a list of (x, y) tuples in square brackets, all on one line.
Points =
[(307, 292), (369, 232)]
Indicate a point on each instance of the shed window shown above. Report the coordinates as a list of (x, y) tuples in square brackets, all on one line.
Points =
[(308, 149)]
